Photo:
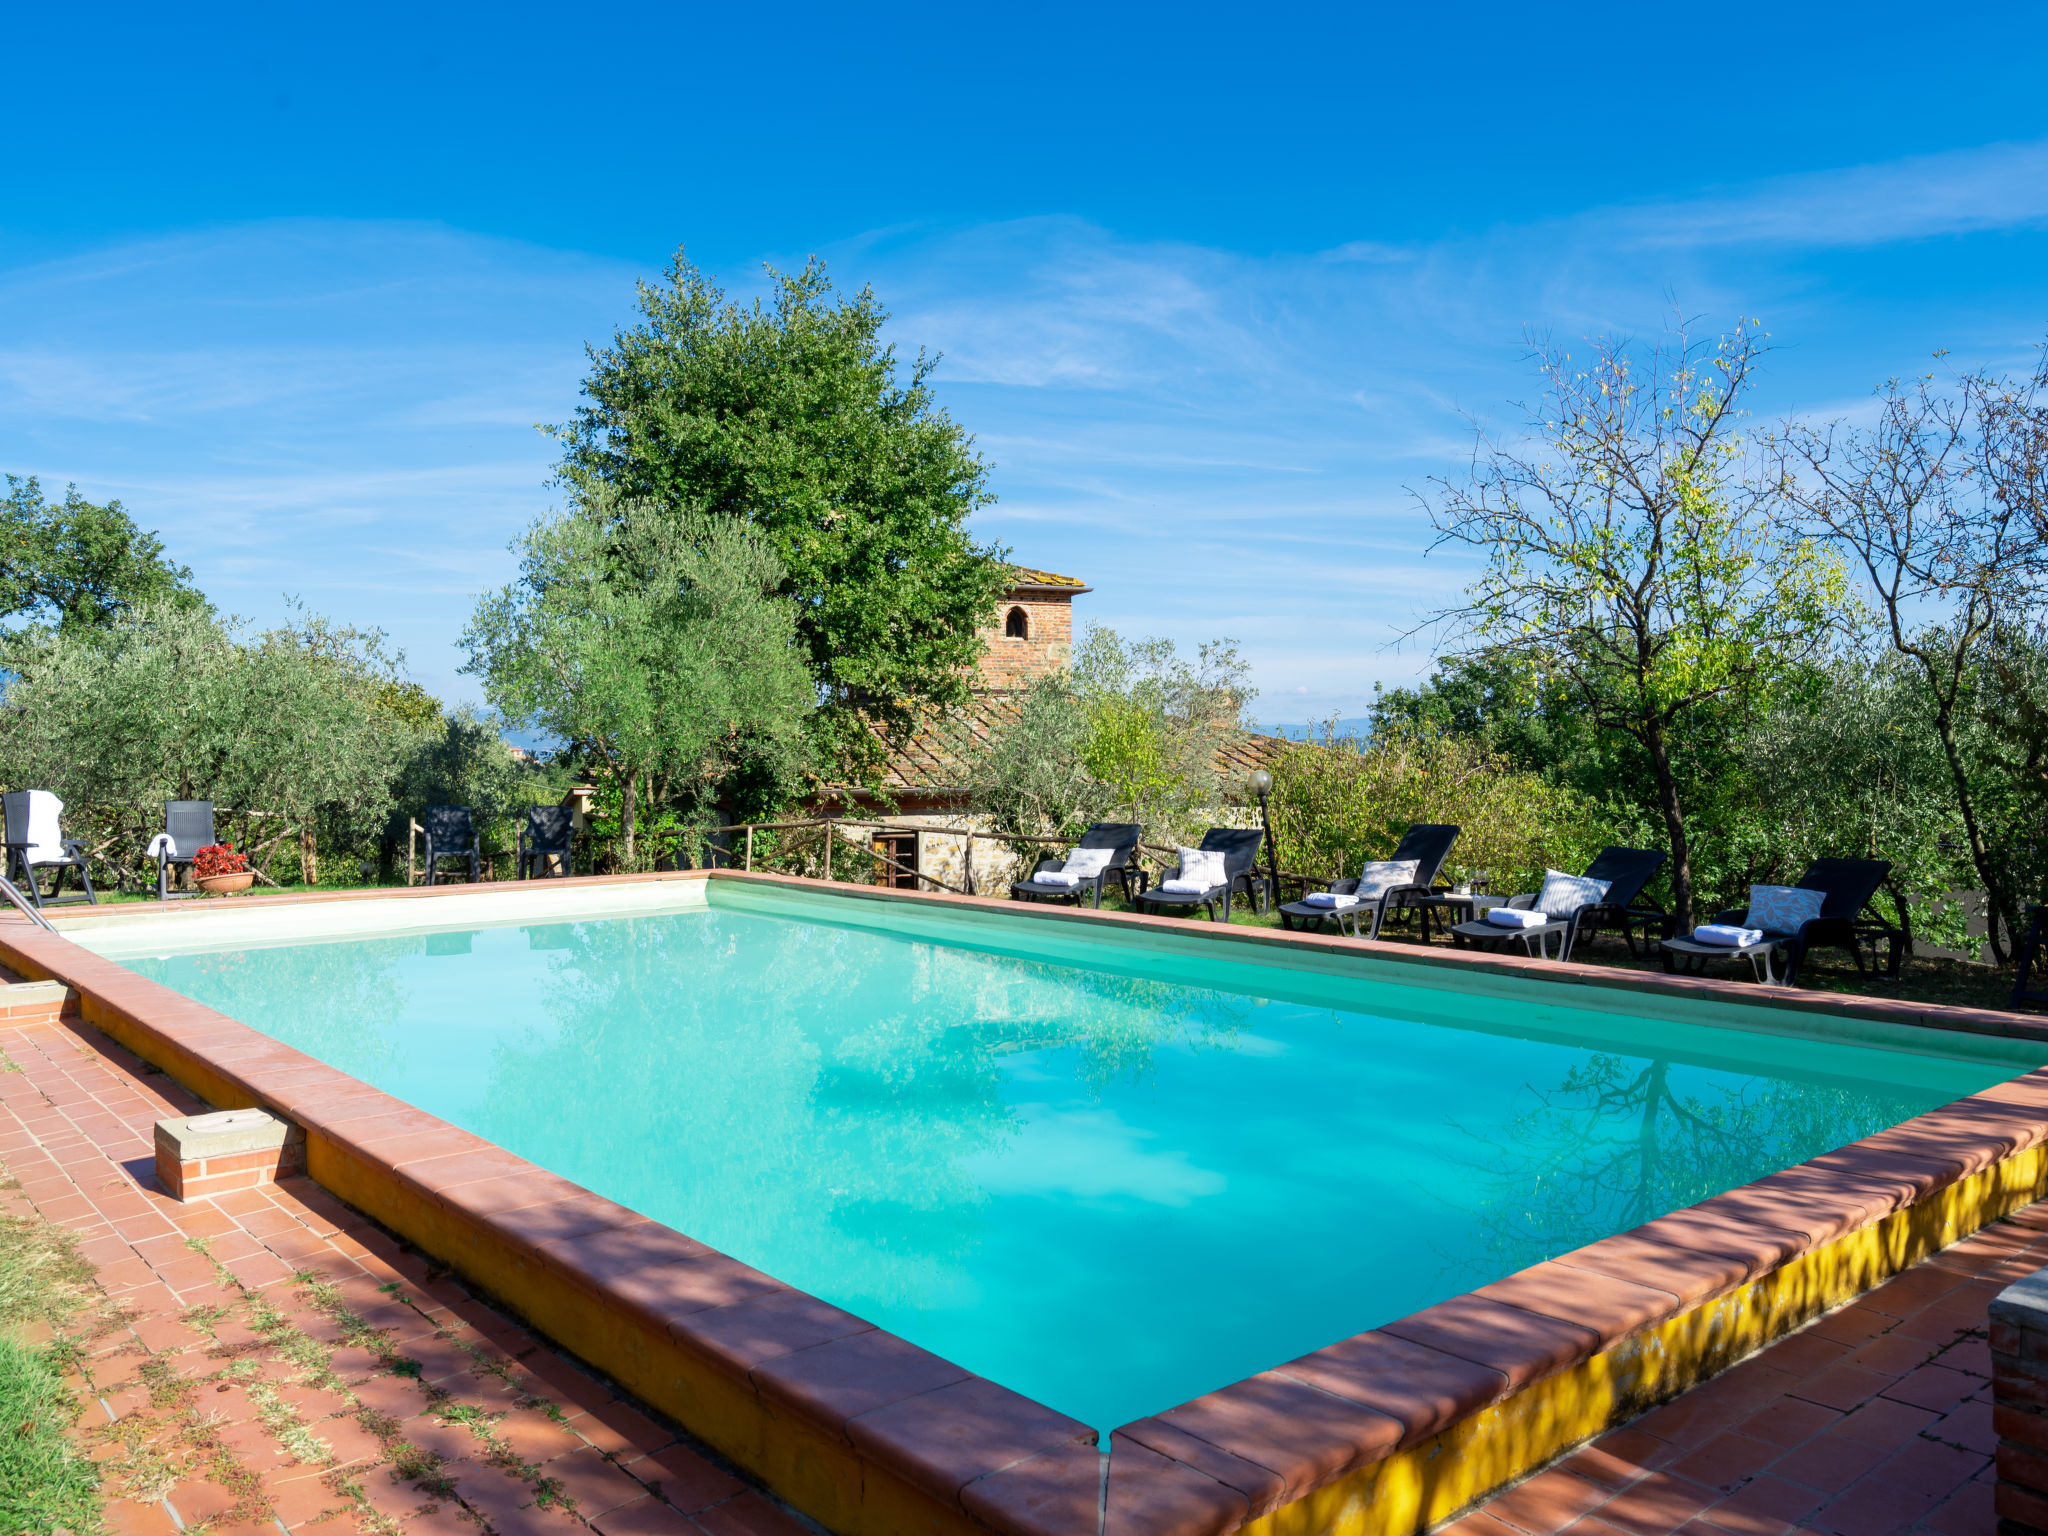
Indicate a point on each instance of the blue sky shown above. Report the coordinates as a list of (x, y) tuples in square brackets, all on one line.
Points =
[(1216, 289)]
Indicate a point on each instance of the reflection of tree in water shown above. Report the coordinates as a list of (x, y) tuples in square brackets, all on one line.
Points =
[(791, 1089), (1619, 1143), (338, 1002)]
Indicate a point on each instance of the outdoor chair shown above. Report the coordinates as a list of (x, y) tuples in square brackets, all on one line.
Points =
[(2025, 990), (1847, 886), (1240, 850), (188, 827), (36, 840), (1120, 839), (1624, 871), (451, 834), (544, 842), (1427, 843)]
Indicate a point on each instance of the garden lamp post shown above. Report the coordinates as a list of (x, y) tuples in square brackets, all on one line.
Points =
[(1260, 783)]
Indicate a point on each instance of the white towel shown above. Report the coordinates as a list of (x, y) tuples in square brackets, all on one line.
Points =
[(161, 843), (1186, 887), (1727, 935), (1516, 917), (1055, 877), (45, 835), (1330, 899)]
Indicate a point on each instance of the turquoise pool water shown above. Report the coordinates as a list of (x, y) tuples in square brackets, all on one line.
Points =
[(1109, 1177)]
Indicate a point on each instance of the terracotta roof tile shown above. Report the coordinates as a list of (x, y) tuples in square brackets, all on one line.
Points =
[(1030, 578), (934, 757)]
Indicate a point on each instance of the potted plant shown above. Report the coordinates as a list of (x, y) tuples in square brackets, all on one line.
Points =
[(220, 871)]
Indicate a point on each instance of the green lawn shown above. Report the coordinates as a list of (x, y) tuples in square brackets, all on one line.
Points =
[(46, 1296)]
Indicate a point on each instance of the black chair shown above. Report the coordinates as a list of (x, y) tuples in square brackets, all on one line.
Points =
[(2024, 992), (53, 851), (1626, 871), (1427, 843), (1847, 886), (451, 834), (1240, 850), (544, 839), (188, 827), (1121, 838)]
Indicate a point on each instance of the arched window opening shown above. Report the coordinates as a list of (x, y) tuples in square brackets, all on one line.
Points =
[(1015, 627)]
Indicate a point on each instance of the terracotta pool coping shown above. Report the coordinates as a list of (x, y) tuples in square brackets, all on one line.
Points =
[(1392, 1429)]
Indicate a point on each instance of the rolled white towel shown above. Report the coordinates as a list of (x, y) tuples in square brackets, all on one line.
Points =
[(1055, 877), (161, 843), (1516, 917), (1727, 935), (1186, 887), (1330, 899)]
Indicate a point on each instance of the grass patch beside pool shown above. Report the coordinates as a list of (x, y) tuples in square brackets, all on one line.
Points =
[(47, 1295)]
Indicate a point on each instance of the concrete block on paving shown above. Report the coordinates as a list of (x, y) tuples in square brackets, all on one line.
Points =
[(198, 1156)]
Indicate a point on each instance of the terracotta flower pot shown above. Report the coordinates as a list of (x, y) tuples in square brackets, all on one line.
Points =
[(226, 885)]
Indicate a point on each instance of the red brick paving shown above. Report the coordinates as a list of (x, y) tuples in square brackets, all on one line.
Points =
[(1873, 1421), (429, 1412), (271, 1361)]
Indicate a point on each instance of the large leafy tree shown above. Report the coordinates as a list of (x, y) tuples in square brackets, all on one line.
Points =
[(658, 649), (1635, 553), (80, 563), (793, 416)]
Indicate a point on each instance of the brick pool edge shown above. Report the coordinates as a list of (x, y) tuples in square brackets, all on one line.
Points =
[(1386, 1432)]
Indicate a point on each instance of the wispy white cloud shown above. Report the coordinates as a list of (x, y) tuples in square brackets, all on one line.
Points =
[(1996, 187), (1220, 442)]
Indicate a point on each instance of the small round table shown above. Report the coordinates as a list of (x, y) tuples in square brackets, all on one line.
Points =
[(1470, 903)]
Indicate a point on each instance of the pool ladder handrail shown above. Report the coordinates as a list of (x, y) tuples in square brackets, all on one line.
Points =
[(13, 893)]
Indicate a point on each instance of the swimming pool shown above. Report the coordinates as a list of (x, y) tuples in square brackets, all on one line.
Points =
[(1106, 1170)]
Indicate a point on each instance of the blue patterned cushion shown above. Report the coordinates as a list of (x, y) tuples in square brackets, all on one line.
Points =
[(1782, 908)]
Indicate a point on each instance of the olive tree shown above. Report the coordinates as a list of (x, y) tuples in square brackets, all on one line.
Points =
[(1634, 550), (658, 650), (168, 702)]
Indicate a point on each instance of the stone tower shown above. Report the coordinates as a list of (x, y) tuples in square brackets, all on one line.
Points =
[(1033, 633)]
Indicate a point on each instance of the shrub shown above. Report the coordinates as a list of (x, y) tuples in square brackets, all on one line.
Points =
[(1338, 802)]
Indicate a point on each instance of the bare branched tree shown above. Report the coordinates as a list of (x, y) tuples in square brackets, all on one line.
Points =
[(1938, 504), (1634, 548)]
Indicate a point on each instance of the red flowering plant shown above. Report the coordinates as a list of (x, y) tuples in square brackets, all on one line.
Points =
[(219, 859)]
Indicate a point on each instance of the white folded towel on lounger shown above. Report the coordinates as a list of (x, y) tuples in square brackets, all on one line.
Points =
[(1055, 877), (1331, 899), (1727, 935), (1516, 917), (1186, 887)]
